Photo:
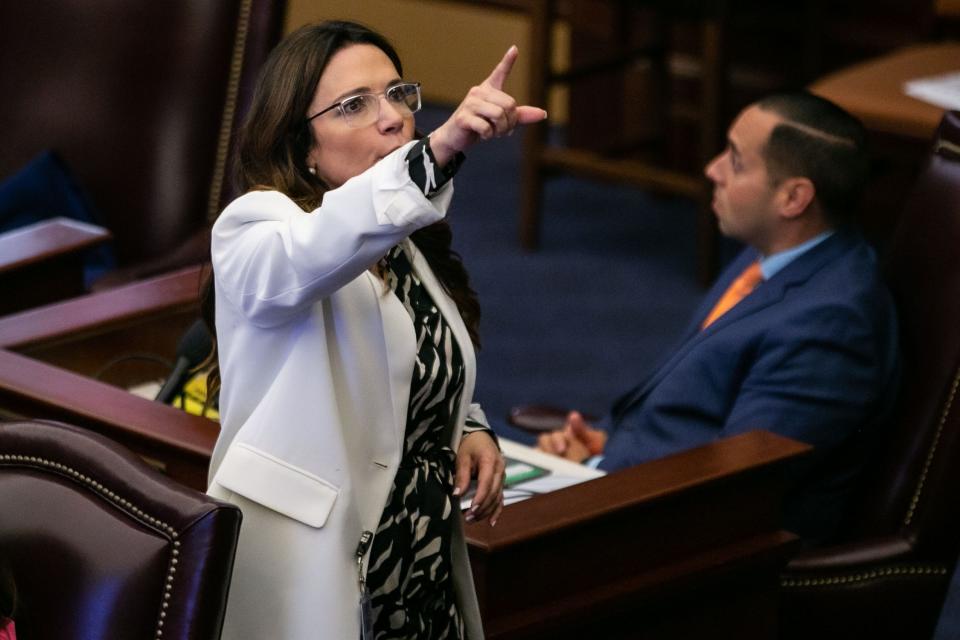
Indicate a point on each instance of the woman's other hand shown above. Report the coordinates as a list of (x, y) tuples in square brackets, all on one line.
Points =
[(479, 456), (487, 112)]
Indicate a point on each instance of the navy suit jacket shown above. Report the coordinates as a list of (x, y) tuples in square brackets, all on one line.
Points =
[(811, 354)]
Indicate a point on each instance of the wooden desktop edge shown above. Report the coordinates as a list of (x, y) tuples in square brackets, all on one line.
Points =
[(646, 483), (28, 387), (561, 541), (46, 240), (27, 384), (101, 311)]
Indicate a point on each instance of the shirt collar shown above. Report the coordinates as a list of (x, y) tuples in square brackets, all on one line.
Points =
[(775, 262)]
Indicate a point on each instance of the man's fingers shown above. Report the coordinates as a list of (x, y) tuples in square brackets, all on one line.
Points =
[(545, 443), (593, 439), (559, 442), (502, 70)]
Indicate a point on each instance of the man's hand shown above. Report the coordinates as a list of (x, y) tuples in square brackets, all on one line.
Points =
[(576, 441), (478, 455), (486, 112)]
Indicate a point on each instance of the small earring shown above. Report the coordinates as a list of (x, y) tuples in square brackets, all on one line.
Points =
[(312, 170)]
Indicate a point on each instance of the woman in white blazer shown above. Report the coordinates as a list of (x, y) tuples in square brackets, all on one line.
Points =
[(345, 329)]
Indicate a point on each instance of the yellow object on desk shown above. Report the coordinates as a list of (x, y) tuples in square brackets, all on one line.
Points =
[(193, 399)]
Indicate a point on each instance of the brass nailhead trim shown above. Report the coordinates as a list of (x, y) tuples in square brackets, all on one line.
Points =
[(946, 145), (853, 578), (229, 109), (933, 449), (124, 504)]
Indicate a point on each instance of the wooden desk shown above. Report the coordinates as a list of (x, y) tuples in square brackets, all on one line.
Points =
[(48, 356), (86, 333), (43, 262), (688, 546)]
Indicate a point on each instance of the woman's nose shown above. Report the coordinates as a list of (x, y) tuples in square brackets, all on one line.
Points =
[(391, 117)]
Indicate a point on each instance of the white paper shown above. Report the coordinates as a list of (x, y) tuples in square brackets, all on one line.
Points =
[(563, 473), (942, 90), (148, 390)]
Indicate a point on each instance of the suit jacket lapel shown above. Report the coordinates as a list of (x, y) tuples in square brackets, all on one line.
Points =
[(636, 395)]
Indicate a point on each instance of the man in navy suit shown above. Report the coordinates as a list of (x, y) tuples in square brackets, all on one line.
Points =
[(806, 348)]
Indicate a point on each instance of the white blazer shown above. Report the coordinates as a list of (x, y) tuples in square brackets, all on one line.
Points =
[(316, 360)]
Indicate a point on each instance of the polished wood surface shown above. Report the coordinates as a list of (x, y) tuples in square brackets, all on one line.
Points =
[(43, 262), (175, 442), (124, 336), (686, 546), (78, 318), (45, 240), (73, 360)]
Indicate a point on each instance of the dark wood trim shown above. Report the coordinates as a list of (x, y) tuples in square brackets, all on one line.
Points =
[(177, 442), (647, 552), (102, 312), (46, 240)]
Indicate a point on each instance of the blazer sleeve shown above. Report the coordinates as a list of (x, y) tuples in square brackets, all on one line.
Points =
[(271, 259), (818, 378)]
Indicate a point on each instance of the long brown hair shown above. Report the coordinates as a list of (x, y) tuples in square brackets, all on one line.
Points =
[(275, 139)]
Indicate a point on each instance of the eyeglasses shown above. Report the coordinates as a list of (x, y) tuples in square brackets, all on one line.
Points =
[(363, 109)]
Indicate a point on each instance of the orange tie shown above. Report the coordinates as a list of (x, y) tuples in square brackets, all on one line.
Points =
[(737, 291)]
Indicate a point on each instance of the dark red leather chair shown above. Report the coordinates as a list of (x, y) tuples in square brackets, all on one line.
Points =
[(103, 547), (141, 100), (888, 575)]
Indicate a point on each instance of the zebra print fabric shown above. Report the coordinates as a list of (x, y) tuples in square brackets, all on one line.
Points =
[(410, 572)]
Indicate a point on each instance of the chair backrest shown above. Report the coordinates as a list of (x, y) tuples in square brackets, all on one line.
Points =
[(140, 99), (102, 546), (911, 488)]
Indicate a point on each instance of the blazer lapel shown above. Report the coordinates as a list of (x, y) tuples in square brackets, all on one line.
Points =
[(400, 346)]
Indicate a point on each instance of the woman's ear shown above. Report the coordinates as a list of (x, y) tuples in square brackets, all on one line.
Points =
[(794, 196)]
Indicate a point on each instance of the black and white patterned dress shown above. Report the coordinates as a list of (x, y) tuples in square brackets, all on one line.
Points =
[(410, 572)]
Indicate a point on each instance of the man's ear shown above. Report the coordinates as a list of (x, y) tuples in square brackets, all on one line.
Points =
[(794, 196)]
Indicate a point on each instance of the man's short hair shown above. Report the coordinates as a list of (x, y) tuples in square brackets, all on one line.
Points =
[(820, 141)]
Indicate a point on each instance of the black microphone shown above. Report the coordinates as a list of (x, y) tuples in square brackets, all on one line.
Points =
[(193, 348)]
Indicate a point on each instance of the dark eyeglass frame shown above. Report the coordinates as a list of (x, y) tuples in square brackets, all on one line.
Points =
[(384, 93)]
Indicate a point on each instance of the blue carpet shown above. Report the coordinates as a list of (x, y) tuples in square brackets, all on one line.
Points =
[(589, 314)]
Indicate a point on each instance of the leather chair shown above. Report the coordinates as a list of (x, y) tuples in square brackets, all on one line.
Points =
[(888, 574), (103, 547), (140, 100)]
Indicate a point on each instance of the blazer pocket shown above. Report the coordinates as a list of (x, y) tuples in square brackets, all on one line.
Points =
[(277, 485)]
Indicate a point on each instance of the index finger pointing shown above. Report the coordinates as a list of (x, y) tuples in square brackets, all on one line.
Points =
[(502, 70)]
